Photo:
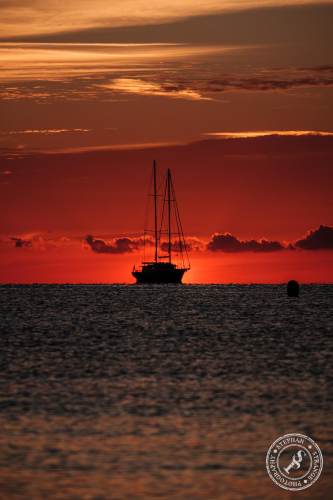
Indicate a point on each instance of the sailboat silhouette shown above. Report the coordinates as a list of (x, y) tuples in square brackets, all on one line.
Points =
[(162, 269)]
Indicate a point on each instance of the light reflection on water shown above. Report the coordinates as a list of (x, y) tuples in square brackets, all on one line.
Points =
[(160, 391)]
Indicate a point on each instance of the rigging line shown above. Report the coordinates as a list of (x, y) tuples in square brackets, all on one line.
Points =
[(155, 211), (180, 225), (179, 250), (164, 232), (147, 207), (169, 214), (180, 243), (163, 210)]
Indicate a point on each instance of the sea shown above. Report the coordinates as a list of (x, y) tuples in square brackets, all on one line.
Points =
[(160, 391)]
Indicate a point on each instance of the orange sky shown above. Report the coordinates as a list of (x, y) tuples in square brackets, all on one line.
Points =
[(234, 97)]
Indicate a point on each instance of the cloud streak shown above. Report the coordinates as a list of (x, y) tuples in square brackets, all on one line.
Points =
[(46, 131), (143, 87), (267, 133), (46, 72), (50, 16)]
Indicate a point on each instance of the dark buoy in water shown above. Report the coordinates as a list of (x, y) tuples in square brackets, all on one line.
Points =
[(293, 288)]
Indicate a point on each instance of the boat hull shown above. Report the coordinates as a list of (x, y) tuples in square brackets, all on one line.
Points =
[(159, 276)]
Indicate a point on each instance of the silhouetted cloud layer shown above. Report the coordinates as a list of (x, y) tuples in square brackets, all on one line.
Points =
[(320, 239), (231, 244), (191, 245), (21, 243), (40, 241), (258, 84), (118, 245), (317, 239)]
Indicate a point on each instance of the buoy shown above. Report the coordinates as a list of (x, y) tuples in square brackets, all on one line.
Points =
[(293, 288)]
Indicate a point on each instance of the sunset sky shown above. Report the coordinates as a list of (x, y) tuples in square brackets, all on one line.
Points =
[(235, 97)]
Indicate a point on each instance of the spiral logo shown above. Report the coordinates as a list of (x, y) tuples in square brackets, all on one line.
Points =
[(294, 462)]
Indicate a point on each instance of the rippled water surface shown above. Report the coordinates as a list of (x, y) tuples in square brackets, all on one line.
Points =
[(114, 392)]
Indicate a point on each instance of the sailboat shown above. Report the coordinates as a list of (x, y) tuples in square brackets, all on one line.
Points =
[(162, 269)]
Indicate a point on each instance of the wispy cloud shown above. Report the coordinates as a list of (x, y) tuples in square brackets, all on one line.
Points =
[(107, 147), (143, 87), (51, 16), (46, 131), (265, 133), (266, 84), (40, 241), (56, 71), (56, 61)]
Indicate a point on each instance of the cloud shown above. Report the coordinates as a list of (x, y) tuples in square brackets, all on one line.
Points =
[(267, 133), (21, 243), (319, 239), (108, 147), (48, 72), (130, 244), (327, 68), (41, 241), (191, 244), (46, 131), (267, 80), (231, 244), (205, 88), (266, 84), (117, 246), (51, 16), (143, 87)]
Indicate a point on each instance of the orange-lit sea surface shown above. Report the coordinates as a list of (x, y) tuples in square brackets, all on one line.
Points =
[(121, 392)]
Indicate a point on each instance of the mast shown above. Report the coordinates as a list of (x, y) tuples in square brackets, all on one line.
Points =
[(155, 210), (169, 214)]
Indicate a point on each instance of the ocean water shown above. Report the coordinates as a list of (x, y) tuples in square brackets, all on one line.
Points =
[(135, 392)]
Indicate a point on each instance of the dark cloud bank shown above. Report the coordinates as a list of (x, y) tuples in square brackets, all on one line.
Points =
[(21, 243), (231, 244), (319, 239), (119, 245)]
